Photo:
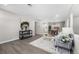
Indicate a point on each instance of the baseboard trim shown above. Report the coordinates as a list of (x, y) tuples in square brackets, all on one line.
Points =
[(9, 40)]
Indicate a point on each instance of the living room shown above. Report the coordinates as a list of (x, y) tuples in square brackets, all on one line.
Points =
[(36, 28)]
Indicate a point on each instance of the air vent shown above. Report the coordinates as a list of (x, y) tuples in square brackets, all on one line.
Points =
[(29, 4)]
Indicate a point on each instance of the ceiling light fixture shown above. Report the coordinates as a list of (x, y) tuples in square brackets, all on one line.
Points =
[(57, 15), (5, 4)]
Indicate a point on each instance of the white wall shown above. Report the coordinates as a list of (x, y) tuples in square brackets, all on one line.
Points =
[(76, 25), (67, 22), (9, 27), (39, 28)]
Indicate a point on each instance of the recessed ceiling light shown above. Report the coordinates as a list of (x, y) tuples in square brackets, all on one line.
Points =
[(57, 15), (5, 4)]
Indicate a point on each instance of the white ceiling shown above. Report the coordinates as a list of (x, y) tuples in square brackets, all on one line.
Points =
[(42, 11)]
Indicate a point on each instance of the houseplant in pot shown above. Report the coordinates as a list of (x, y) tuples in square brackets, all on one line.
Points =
[(65, 38)]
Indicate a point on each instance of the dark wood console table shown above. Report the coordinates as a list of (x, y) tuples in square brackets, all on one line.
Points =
[(25, 34)]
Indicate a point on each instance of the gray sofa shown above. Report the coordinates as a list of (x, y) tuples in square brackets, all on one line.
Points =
[(62, 47)]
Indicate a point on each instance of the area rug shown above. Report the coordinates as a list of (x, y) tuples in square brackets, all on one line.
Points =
[(45, 45), (49, 46)]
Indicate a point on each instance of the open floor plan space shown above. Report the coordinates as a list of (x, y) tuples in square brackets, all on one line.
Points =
[(39, 28)]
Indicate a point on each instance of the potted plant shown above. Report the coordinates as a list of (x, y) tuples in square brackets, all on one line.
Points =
[(65, 38)]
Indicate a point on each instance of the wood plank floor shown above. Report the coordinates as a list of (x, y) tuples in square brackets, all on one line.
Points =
[(21, 47)]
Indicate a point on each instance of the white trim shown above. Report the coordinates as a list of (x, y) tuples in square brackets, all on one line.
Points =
[(8, 40)]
